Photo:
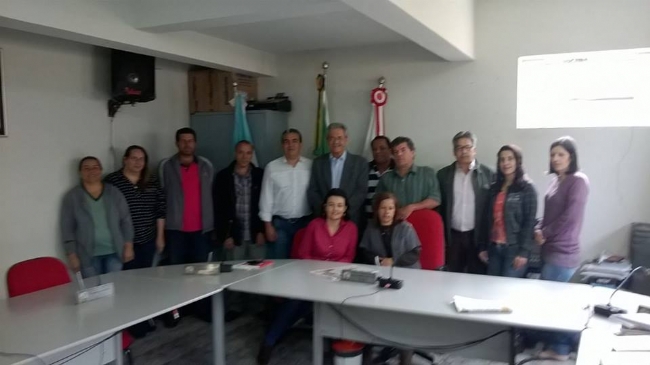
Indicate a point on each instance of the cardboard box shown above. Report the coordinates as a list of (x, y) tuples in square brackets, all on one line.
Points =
[(211, 90)]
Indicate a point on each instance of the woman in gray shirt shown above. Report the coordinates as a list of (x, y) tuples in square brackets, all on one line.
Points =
[(392, 242), (96, 225)]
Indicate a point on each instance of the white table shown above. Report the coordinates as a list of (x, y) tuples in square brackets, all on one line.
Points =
[(421, 314), (49, 322), (50, 325), (596, 340), (175, 274)]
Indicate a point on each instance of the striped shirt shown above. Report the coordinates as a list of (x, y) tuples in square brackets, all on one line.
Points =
[(419, 183), (373, 180), (146, 206)]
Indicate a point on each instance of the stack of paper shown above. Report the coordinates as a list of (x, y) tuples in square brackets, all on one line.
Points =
[(471, 305)]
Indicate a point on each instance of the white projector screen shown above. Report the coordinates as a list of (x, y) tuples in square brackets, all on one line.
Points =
[(587, 89)]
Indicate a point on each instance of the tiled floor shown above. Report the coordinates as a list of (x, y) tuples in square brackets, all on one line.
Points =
[(191, 343)]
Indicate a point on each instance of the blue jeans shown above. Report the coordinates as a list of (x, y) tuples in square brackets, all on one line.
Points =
[(187, 247), (500, 258), (557, 273), (288, 314), (285, 229), (102, 265), (559, 342), (143, 256)]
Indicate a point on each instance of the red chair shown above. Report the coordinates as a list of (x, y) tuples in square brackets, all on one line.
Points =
[(36, 274), (430, 229), (45, 272), (297, 240)]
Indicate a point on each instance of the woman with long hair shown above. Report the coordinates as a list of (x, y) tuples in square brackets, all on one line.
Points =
[(507, 241), (391, 242), (95, 223), (559, 230), (331, 237), (146, 201)]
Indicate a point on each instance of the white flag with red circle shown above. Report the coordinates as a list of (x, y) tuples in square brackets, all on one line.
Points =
[(378, 99)]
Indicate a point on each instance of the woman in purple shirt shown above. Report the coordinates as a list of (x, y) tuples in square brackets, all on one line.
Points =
[(559, 231)]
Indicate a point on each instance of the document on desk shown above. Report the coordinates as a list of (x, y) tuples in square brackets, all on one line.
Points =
[(471, 305), (333, 273), (626, 358)]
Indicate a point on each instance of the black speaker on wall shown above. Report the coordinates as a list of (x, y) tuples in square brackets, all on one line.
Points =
[(132, 79)]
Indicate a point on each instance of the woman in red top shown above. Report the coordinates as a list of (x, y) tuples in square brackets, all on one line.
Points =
[(329, 238), (507, 241)]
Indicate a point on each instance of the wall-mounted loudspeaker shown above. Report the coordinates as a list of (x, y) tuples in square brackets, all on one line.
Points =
[(132, 79)]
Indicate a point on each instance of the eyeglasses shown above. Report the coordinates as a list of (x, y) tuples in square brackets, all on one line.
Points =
[(466, 148)]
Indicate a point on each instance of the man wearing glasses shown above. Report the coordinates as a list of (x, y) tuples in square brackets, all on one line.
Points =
[(464, 187)]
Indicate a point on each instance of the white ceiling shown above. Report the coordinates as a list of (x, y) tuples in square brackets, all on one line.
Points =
[(247, 35), (340, 29)]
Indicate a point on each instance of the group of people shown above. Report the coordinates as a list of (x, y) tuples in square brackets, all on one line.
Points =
[(244, 212)]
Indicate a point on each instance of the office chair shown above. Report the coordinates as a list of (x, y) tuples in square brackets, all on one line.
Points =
[(46, 272)]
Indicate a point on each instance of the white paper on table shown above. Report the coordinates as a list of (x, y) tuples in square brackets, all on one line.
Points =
[(471, 305)]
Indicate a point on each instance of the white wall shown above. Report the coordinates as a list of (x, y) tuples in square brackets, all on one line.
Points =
[(431, 100), (56, 93), (452, 20)]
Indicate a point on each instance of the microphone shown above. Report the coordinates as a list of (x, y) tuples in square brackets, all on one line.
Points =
[(389, 282), (608, 309)]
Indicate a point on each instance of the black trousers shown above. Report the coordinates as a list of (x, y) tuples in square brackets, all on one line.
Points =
[(462, 254)]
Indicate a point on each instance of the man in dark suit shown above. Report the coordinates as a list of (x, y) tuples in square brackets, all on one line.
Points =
[(464, 186), (236, 192), (339, 169)]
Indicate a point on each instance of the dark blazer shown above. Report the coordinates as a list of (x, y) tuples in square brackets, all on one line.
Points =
[(519, 215), (482, 179), (354, 181), (226, 223)]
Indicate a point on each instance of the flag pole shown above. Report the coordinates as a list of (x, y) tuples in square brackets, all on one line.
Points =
[(322, 114)]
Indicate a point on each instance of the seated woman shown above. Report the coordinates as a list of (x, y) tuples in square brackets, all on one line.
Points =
[(393, 243), (328, 238), (96, 224)]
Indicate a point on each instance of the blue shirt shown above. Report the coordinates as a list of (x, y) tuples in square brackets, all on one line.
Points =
[(336, 164)]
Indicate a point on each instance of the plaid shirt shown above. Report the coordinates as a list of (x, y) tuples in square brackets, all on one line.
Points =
[(243, 203)]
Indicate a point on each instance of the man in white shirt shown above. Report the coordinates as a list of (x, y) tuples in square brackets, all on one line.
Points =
[(464, 186), (283, 202)]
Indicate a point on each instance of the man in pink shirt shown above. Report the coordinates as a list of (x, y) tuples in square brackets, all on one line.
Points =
[(187, 182)]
